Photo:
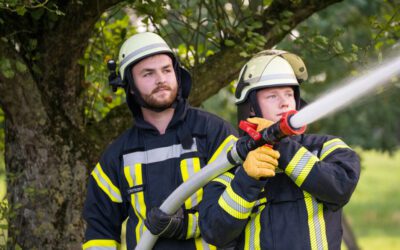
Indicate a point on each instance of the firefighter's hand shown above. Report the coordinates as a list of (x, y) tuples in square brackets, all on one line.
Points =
[(261, 123), (164, 225), (261, 162)]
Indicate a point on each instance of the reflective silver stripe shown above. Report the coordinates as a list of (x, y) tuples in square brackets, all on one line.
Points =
[(225, 179), (253, 230), (107, 186), (302, 163), (252, 233), (192, 231), (204, 244), (234, 205), (329, 145), (142, 49), (158, 154), (270, 77), (139, 206), (317, 225), (132, 172), (261, 201), (316, 222)]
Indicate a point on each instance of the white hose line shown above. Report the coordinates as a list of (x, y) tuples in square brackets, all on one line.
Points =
[(355, 88), (183, 192)]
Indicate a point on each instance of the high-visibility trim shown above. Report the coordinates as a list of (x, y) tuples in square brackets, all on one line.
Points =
[(106, 184), (235, 205), (158, 154), (332, 145), (102, 244), (134, 177), (193, 230), (300, 166), (261, 201), (316, 223), (253, 231), (225, 178), (201, 244), (189, 167), (225, 146)]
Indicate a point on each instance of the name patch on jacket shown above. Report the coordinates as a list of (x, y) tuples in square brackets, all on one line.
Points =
[(135, 189)]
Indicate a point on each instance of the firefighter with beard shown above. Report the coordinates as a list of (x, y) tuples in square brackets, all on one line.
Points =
[(169, 142), (294, 199)]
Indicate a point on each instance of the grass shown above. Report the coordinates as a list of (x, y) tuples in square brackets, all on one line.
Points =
[(374, 209)]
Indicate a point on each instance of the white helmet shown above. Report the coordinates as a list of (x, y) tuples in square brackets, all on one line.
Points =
[(270, 68), (138, 47)]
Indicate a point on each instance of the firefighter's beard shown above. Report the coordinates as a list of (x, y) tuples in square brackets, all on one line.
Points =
[(161, 97)]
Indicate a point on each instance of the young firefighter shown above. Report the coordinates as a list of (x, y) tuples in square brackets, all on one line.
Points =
[(299, 204), (169, 142)]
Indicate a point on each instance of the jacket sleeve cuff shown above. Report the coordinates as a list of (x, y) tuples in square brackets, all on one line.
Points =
[(246, 186)]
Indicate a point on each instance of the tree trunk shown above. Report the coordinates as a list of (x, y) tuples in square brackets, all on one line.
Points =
[(46, 183)]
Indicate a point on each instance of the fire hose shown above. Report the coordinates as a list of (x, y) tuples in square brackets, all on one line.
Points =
[(236, 155), (291, 123)]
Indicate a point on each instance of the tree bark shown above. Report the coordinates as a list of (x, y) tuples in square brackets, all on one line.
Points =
[(49, 150)]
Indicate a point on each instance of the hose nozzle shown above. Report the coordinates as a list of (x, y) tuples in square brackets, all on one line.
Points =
[(270, 136)]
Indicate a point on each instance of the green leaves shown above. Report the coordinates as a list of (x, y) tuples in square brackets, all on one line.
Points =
[(5, 68), (110, 32), (229, 43), (21, 10), (21, 67)]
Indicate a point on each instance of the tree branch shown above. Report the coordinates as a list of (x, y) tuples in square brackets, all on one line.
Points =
[(223, 67)]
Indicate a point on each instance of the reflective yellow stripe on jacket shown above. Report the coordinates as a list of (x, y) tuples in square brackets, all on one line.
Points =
[(235, 205), (316, 223), (134, 177), (189, 167), (104, 182), (221, 151), (225, 178), (224, 148), (253, 230), (102, 244), (300, 166), (332, 145), (315, 209)]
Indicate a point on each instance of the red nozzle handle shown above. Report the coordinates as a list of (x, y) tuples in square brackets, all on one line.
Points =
[(285, 127), (250, 129)]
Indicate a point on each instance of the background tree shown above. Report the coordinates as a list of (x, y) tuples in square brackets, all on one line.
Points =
[(59, 113)]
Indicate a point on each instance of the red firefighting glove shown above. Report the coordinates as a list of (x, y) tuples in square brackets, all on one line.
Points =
[(261, 162), (261, 122), (164, 225)]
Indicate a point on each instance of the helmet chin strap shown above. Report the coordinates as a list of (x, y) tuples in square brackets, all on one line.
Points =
[(254, 106)]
